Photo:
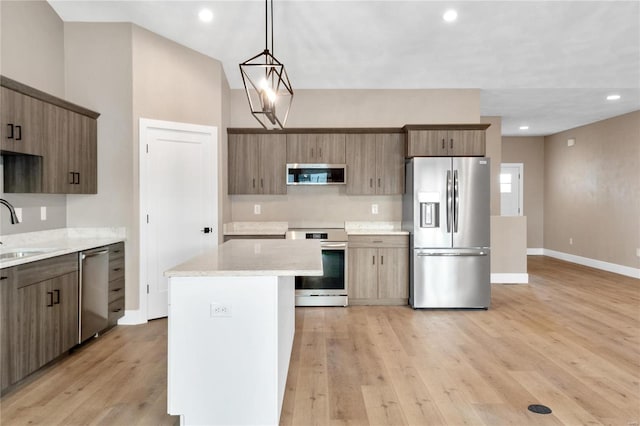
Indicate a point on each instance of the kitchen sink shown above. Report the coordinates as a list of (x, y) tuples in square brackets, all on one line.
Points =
[(22, 252)]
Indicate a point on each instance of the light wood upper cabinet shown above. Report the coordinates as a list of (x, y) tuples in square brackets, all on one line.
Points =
[(458, 141), (21, 128), (318, 148), (375, 163), (378, 269), (257, 164)]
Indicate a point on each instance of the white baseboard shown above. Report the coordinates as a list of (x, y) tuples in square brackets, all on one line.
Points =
[(535, 251), (509, 278), (593, 263), (132, 317)]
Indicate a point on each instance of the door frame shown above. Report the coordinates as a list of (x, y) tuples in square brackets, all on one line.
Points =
[(520, 167), (145, 124)]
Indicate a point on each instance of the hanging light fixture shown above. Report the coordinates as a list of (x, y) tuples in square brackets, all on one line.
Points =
[(266, 83)]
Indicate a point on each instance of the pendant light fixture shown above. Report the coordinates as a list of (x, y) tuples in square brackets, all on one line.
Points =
[(266, 83)]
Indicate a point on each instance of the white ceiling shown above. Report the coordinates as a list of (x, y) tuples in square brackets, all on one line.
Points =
[(546, 64)]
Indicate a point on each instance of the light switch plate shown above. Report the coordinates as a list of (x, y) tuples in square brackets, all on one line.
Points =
[(257, 209), (374, 209), (43, 213)]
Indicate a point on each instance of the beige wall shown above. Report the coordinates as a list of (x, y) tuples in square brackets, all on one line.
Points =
[(31, 52), (494, 151), (592, 191), (348, 108), (508, 245), (530, 152)]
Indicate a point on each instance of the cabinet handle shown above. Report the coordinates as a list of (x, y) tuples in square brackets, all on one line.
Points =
[(19, 129), (319, 152), (4, 278), (311, 152), (374, 260), (443, 143), (50, 303), (370, 182), (382, 260), (10, 131), (72, 178), (377, 241), (451, 143), (254, 182), (378, 182), (57, 301), (261, 183), (116, 269), (117, 310), (115, 290), (78, 181)]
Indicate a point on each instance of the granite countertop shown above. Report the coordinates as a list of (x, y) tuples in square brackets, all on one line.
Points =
[(255, 228), (57, 242), (254, 258), (374, 228)]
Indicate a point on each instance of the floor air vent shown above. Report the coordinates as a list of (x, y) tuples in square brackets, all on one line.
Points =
[(539, 409)]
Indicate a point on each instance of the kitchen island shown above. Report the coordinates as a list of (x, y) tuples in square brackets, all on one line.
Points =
[(231, 327)]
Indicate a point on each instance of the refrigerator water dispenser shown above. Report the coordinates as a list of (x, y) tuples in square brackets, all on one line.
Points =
[(429, 215)]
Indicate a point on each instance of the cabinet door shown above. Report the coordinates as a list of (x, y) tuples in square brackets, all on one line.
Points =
[(301, 148), (427, 143), (65, 292), (243, 164), (273, 173), (389, 164), (361, 164), (363, 273), (467, 143), (330, 148), (56, 177), (7, 286), (393, 273), (21, 130), (82, 152)]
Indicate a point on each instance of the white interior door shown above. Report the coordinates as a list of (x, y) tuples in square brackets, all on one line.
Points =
[(511, 197), (179, 201)]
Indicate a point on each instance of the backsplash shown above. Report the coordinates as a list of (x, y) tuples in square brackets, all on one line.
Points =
[(31, 204)]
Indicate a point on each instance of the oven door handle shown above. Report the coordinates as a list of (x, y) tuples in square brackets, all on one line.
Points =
[(333, 245)]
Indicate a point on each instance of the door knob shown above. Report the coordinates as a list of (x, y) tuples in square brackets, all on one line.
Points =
[(207, 230)]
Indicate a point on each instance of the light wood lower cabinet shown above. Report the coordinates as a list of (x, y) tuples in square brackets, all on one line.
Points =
[(378, 270)]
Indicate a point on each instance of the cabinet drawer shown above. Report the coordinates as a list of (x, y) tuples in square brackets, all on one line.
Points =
[(116, 311), (116, 251), (359, 241), (116, 269), (116, 289), (34, 272)]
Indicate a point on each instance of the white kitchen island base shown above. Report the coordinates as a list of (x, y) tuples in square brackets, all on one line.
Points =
[(230, 337)]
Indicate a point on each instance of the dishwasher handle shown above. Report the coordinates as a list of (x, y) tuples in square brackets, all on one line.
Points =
[(97, 253)]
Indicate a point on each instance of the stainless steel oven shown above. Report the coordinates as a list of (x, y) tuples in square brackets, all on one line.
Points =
[(330, 289)]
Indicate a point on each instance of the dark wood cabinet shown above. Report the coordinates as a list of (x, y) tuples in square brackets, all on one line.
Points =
[(70, 160), (375, 163), (316, 148), (257, 164), (21, 128), (42, 314), (462, 140), (7, 301), (116, 283), (378, 269), (57, 150)]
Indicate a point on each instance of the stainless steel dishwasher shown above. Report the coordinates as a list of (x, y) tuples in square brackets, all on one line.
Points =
[(94, 292)]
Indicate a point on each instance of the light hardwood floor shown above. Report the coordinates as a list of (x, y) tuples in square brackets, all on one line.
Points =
[(569, 340)]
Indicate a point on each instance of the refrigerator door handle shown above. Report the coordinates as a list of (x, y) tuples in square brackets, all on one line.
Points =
[(428, 254), (456, 198), (449, 201)]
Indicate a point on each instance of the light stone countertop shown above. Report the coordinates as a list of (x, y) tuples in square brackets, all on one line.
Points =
[(57, 242), (374, 228), (254, 258), (255, 228)]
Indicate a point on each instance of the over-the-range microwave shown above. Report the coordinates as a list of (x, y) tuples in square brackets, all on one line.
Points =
[(316, 174)]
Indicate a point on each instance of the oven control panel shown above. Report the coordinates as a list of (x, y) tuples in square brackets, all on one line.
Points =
[(316, 236)]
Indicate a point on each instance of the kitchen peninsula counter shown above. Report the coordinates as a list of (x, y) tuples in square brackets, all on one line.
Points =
[(231, 327)]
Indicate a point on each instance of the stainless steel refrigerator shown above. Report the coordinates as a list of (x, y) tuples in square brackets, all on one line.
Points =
[(446, 211)]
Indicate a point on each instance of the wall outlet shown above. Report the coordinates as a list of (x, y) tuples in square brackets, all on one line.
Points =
[(374, 209), (220, 310), (570, 241), (571, 142), (43, 213), (19, 213), (257, 209)]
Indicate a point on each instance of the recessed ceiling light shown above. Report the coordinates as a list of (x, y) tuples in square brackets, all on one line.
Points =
[(524, 127), (613, 97), (450, 15), (205, 15)]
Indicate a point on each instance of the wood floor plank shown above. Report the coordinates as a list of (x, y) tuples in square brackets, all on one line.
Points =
[(569, 339)]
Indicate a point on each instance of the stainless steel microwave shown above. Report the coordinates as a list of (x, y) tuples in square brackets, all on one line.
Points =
[(316, 174)]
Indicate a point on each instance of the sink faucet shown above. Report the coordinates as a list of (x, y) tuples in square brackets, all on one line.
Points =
[(14, 217)]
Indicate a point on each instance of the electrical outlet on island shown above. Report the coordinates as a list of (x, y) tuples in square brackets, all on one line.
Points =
[(374, 209), (257, 209)]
